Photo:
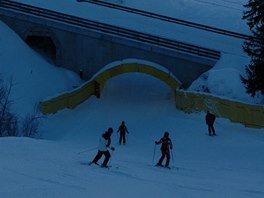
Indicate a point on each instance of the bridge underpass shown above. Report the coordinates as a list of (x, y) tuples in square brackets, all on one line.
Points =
[(43, 45), (96, 84)]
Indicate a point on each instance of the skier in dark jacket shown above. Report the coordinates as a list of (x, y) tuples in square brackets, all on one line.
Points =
[(103, 148), (210, 119), (122, 131), (166, 145)]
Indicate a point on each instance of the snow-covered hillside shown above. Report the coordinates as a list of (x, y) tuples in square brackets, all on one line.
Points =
[(33, 78), (228, 165)]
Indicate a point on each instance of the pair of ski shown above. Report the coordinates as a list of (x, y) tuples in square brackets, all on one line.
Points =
[(165, 167), (211, 135), (109, 166), (161, 166), (98, 165)]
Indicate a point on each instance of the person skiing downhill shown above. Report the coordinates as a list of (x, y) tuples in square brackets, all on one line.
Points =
[(166, 145), (122, 131), (210, 119), (103, 148)]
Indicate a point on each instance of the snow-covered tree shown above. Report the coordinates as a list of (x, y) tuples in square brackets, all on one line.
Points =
[(254, 47), (9, 122)]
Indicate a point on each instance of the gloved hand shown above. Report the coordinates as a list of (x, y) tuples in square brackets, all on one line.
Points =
[(112, 148)]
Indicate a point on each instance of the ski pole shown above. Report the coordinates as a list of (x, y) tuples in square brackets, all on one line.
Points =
[(111, 156), (117, 135), (172, 158), (220, 125), (126, 136), (154, 155), (90, 149)]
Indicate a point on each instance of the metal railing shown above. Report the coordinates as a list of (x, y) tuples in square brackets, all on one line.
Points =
[(168, 19)]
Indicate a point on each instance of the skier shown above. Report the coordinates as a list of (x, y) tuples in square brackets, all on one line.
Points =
[(210, 119), (123, 130), (103, 148), (166, 145)]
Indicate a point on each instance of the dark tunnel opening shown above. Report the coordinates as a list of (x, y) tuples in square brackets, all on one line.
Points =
[(44, 46)]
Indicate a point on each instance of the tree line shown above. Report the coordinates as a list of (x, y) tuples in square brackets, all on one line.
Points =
[(254, 47), (10, 123)]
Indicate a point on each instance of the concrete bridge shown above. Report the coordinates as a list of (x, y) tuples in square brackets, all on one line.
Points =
[(86, 46)]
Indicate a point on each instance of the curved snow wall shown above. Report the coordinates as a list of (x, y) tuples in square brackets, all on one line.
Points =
[(248, 114), (96, 84)]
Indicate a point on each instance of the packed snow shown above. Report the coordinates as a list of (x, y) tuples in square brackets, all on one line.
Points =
[(56, 165)]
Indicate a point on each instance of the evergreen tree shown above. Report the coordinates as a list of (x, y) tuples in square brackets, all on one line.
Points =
[(254, 47)]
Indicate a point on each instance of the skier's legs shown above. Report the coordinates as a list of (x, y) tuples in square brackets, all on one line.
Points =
[(163, 154), (209, 129), (167, 158), (213, 130), (107, 157), (122, 138), (97, 157)]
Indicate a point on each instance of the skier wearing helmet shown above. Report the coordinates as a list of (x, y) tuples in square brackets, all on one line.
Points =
[(103, 148), (166, 145)]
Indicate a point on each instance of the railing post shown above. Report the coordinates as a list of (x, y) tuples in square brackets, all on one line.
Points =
[(97, 89)]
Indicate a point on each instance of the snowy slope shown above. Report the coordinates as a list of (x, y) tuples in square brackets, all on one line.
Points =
[(29, 73), (228, 165)]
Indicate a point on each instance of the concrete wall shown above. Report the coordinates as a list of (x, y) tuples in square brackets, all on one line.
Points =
[(248, 114)]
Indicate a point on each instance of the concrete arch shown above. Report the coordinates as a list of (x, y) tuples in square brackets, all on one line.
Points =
[(125, 67), (95, 85)]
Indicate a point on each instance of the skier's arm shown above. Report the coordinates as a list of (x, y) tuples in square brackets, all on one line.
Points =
[(158, 142), (108, 143), (206, 119), (126, 129), (214, 118)]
